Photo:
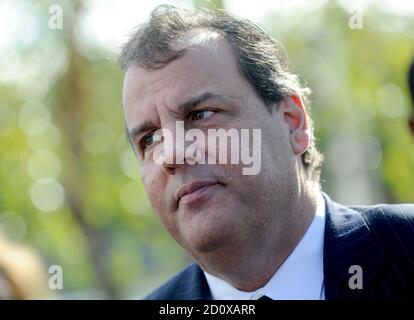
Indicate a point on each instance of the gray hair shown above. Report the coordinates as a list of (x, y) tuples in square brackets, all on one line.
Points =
[(261, 59)]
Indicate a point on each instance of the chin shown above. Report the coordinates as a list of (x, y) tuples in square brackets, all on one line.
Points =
[(210, 230), (207, 240), (207, 246)]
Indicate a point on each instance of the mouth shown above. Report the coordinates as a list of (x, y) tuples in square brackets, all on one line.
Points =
[(194, 191)]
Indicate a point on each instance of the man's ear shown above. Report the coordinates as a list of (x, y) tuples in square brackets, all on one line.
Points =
[(294, 114)]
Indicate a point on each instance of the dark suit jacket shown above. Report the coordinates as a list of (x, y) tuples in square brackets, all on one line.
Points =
[(378, 238)]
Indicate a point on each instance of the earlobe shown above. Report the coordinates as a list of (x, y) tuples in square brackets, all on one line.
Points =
[(300, 141)]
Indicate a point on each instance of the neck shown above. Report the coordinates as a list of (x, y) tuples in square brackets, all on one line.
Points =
[(250, 266)]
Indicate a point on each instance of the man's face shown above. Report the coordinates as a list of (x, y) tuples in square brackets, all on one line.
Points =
[(233, 210)]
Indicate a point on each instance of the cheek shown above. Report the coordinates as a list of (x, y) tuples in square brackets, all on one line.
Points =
[(277, 158), (155, 187)]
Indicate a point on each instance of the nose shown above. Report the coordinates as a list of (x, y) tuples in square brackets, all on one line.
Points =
[(172, 155), (171, 151)]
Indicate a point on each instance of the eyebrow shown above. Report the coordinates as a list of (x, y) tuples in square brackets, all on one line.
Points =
[(183, 108), (146, 126), (189, 105)]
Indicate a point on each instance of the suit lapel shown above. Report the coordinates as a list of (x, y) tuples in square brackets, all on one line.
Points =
[(348, 241)]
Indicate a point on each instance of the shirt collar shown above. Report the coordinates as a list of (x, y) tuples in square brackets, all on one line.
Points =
[(299, 277)]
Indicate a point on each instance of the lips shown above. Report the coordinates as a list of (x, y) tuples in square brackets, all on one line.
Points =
[(194, 188)]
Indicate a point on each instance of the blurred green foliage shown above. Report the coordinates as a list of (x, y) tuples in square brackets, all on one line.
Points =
[(69, 182)]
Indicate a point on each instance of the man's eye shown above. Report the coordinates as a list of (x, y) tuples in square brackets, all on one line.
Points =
[(147, 140), (201, 114)]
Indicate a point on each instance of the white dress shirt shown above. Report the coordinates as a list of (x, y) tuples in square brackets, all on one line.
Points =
[(300, 277)]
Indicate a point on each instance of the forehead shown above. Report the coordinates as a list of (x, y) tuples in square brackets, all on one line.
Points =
[(209, 63)]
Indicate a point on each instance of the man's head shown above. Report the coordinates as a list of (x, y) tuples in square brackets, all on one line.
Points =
[(212, 72)]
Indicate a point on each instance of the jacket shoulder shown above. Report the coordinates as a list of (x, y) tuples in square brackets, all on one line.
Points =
[(393, 226), (395, 215), (167, 291)]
